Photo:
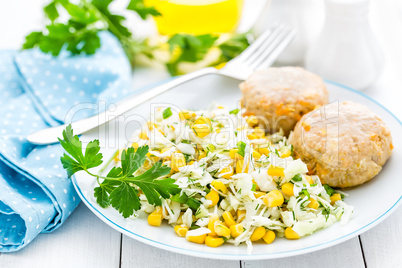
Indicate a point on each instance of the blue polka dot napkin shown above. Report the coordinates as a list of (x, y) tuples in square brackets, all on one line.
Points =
[(38, 91)]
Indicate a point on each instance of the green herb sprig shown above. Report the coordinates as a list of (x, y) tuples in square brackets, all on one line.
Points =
[(85, 19), (120, 187)]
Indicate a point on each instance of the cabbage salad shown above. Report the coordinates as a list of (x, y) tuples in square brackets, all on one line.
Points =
[(238, 185)]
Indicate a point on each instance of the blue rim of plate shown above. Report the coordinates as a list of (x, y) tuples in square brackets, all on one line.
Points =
[(247, 256)]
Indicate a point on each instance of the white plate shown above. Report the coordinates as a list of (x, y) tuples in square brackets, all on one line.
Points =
[(373, 201)]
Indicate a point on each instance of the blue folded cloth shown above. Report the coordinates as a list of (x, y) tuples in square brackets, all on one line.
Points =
[(38, 91)]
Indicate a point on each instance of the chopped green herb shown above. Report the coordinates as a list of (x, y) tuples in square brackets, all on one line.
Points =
[(167, 113), (254, 187), (235, 111), (241, 147), (305, 193), (297, 178), (329, 189)]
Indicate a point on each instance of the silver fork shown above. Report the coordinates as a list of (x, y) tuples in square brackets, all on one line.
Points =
[(259, 55)]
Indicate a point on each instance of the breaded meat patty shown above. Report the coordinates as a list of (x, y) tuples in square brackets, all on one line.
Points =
[(279, 97), (344, 144)]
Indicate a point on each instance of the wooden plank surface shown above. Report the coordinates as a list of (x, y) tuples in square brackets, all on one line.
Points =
[(382, 245), (137, 254), (82, 241), (347, 254)]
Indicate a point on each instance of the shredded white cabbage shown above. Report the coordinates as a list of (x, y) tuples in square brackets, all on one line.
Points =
[(222, 153)]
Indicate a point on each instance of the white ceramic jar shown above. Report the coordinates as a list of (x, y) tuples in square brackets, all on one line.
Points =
[(346, 50)]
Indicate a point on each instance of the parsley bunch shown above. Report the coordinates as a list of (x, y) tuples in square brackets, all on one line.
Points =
[(120, 187), (85, 19)]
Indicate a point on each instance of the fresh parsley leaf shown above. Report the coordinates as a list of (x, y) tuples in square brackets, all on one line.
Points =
[(102, 197), (51, 11), (235, 111), (142, 10), (73, 146), (124, 198), (241, 147), (78, 31), (234, 46), (192, 48), (167, 113), (184, 199), (131, 159), (119, 187)]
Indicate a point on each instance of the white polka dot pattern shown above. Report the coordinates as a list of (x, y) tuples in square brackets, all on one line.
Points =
[(37, 91)]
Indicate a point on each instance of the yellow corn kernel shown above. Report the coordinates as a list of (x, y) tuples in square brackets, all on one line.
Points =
[(219, 186), (203, 120), (252, 120), (287, 188), (221, 229), (273, 199), (229, 220), (201, 130), (117, 156), (199, 239), (214, 242), (259, 194), (155, 219), (165, 149), (211, 224), (233, 152), (181, 230), (256, 155), (259, 132), (186, 115), (220, 107), (313, 203), (252, 137), (257, 234), (158, 210), (241, 214), (227, 172), (240, 128), (236, 230), (264, 151), (135, 146), (152, 157), (239, 166), (201, 154), (309, 179), (143, 135), (290, 234), (287, 153), (178, 161), (269, 237), (213, 196), (335, 197), (275, 171)]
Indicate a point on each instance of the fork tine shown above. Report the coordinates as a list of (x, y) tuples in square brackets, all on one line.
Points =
[(266, 44), (255, 45), (267, 59), (274, 49)]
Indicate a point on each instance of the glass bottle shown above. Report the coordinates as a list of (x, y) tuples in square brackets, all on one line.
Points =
[(346, 50)]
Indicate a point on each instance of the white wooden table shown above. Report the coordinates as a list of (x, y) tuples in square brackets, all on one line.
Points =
[(85, 241)]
